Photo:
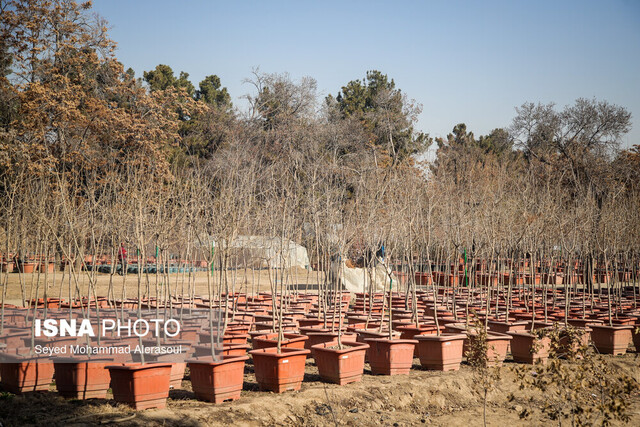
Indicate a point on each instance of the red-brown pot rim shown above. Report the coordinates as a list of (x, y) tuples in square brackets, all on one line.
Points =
[(204, 360), (441, 337), (137, 366), (284, 352), (391, 341), (350, 346)]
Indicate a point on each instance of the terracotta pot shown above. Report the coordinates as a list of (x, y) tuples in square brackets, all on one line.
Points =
[(582, 340), (523, 316), (8, 267), (340, 366), (305, 330), (177, 374), (623, 321), (15, 338), (611, 339), (390, 357), (539, 325), (279, 372), (364, 334), (227, 338), (528, 348), (309, 322), (82, 378), (269, 327), (46, 267), (322, 337), (497, 345), (455, 328), (582, 323), (141, 386), (20, 375), (28, 267), (397, 324), (217, 381), (409, 332), (441, 352), (506, 327), (226, 350), (422, 279), (189, 333), (238, 328), (353, 326), (271, 340), (235, 338)]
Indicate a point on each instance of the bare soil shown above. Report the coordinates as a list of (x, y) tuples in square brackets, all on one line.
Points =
[(422, 397), (58, 285)]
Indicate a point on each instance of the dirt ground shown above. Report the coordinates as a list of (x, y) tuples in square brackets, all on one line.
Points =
[(422, 397), (245, 281)]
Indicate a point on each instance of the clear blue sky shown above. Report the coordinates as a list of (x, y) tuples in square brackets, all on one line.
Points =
[(464, 61)]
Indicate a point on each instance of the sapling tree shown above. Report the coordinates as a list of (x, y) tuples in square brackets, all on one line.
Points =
[(580, 386), (486, 376)]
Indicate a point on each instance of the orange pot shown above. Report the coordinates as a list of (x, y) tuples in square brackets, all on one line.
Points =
[(25, 374), (271, 340), (28, 267), (141, 386), (78, 379), (528, 348), (234, 338), (231, 350), (390, 357), (364, 334), (323, 337), (279, 372), (217, 381), (497, 348), (505, 327), (611, 339), (441, 352), (46, 267), (340, 366), (310, 322), (408, 332)]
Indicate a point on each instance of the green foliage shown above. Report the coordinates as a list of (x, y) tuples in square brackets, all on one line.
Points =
[(384, 113), (162, 78), (461, 152), (206, 132), (202, 130), (211, 92), (498, 142), (210, 89)]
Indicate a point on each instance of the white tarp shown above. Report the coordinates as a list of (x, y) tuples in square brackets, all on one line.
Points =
[(262, 251), (355, 279)]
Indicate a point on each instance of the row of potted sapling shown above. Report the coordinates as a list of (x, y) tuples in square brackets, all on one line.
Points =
[(388, 331), (41, 264)]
